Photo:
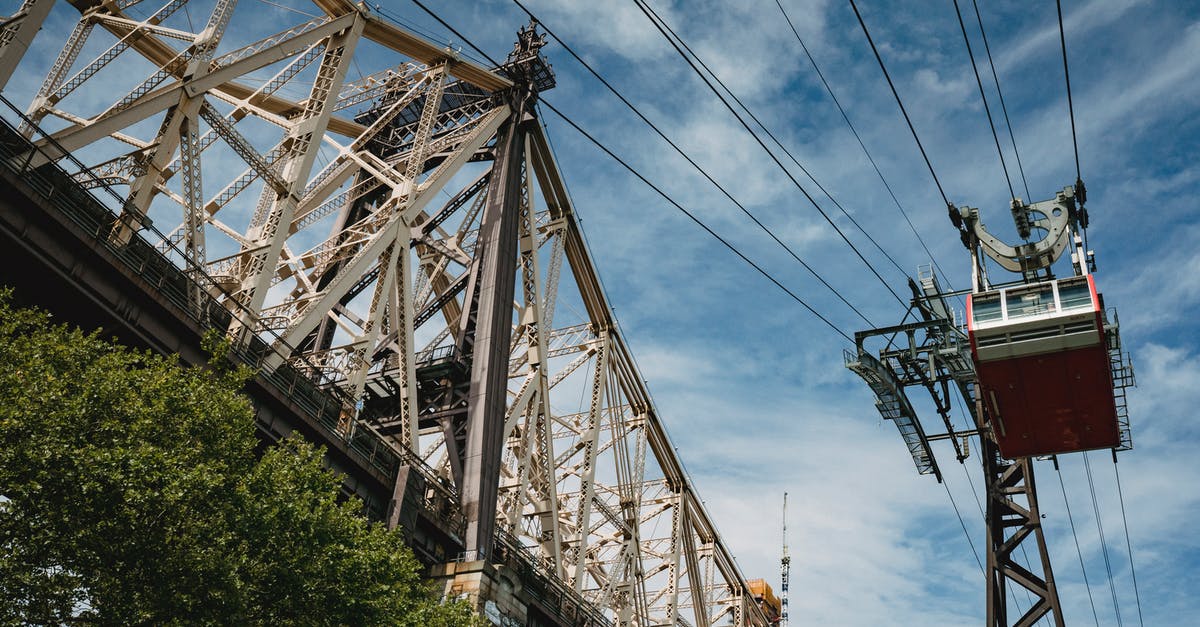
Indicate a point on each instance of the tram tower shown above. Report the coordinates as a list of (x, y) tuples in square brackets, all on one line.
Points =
[(1038, 363)]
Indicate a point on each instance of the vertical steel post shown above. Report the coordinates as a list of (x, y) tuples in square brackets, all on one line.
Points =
[(496, 282), (16, 35), (1010, 523)]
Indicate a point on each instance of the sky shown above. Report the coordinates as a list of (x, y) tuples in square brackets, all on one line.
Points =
[(752, 386)]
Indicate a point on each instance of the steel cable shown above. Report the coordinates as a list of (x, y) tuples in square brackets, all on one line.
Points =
[(772, 135), (663, 29), (1078, 550), (1128, 543), (693, 163), (1003, 107), (1062, 37), (1103, 543), (964, 528), (861, 144), (900, 102), (982, 96)]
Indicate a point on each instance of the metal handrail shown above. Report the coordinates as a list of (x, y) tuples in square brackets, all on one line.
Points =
[(181, 285)]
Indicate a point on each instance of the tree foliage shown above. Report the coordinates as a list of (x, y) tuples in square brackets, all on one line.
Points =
[(131, 493)]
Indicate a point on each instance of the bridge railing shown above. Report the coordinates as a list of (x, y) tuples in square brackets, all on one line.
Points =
[(92, 210), (541, 582), (188, 288)]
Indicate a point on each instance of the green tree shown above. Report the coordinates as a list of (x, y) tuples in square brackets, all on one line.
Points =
[(131, 493)]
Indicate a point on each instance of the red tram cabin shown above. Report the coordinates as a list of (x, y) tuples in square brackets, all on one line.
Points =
[(1043, 367)]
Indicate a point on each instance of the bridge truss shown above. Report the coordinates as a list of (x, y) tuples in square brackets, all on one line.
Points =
[(405, 236)]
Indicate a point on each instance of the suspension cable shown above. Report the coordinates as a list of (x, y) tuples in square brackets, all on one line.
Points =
[(1078, 550), (1079, 188), (693, 218), (663, 29), (1062, 37), (1000, 93), (1103, 543), (900, 102), (862, 144), (771, 135), (691, 161), (964, 528), (1128, 542), (983, 97)]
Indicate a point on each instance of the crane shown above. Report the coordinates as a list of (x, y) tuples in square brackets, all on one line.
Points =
[(785, 567)]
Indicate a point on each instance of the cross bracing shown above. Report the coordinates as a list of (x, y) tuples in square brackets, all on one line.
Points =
[(406, 236)]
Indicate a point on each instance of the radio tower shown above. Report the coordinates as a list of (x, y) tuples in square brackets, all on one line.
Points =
[(785, 567)]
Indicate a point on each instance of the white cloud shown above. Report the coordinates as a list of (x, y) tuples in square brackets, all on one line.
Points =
[(617, 28), (1079, 22)]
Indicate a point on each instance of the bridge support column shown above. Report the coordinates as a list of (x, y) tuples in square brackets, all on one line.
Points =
[(492, 291), (494, 591), (1009, 523), (16, 35)]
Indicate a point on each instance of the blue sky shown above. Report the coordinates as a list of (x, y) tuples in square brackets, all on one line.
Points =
[(752, 386)]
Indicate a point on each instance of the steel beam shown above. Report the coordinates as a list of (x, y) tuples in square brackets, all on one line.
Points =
[(17, 32), (492, 297), (1009, 523)]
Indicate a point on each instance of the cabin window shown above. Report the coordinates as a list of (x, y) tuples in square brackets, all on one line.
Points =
[(1075, 295), (985, 307), (1026, 302)]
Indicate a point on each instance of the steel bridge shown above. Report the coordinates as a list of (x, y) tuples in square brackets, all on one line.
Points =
[(399, 259)]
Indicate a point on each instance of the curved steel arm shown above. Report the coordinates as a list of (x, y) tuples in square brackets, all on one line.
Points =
[(1056, 217)]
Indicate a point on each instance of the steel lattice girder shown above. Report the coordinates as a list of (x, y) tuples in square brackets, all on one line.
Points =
[(352, 269)]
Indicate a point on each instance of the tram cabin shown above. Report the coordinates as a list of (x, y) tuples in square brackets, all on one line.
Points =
[(1043, 366)]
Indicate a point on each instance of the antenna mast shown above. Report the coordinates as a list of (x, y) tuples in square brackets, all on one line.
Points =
[(785, 566)]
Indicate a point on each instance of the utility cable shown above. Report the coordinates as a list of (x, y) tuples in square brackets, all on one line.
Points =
[(1103, 543), (691, 161), (652, 17), (1062, 37), (1078, 550), (468, 42), (693, 218), (964, 528), (651, 185), (1000, 93), (861, 144), (1128, 542), (774, 138), (900, 102), (983, 97)]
